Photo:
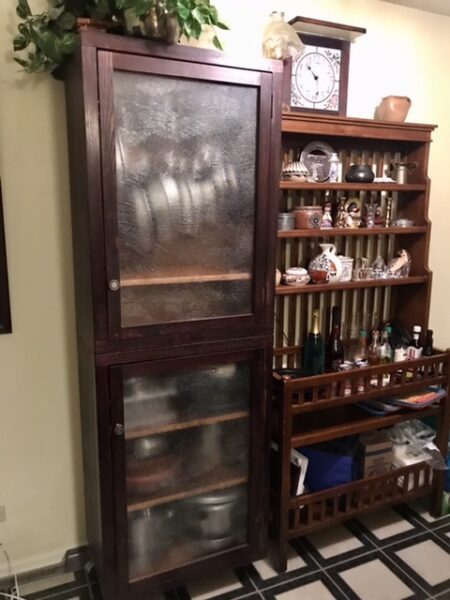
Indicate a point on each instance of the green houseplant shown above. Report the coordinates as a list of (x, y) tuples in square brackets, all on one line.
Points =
[(189, 15), (51, 36)]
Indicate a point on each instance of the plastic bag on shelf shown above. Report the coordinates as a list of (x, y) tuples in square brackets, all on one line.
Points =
[(417, 439)]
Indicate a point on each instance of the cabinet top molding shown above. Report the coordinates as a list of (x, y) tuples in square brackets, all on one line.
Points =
[(326, 28), (100, 40), (295, 122)]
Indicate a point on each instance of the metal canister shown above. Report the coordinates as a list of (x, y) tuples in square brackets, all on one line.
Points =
[(285, 221)]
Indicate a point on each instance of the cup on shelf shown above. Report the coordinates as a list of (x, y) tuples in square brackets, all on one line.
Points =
[(362, 273), (347, 268)]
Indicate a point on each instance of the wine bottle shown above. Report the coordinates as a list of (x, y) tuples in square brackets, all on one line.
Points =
[(374, 352), (360, 355), (314, 351), (387, 352), (334, 353), (428, 346), (415, 349)]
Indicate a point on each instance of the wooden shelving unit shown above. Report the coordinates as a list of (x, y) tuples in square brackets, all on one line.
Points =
[(316, 409)]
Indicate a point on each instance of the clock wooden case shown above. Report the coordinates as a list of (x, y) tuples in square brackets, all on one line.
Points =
[(318, 80)]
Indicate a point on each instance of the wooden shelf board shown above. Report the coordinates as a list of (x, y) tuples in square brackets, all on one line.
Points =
[(354, 187), (335, 232), (401, 389), (400, 499), (182, 279), (346, 420), (179, 425), (195, 491), (284, 290)]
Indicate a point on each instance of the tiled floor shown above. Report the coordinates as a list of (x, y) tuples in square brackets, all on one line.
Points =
[(395, 554)]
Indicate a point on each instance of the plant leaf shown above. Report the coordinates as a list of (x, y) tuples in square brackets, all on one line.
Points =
[(20, 42), (68, 43), (217, 43), (65, 21), (221, 25), (23, 63), (23, 9), (183, 12)]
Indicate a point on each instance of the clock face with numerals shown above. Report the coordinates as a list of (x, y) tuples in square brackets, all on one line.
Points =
[(316, 78)]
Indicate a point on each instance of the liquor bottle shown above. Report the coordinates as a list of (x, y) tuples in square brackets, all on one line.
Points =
[(334, 353), (314, 351), (361, 353), (417, 330), (428, 345), (374, 351), (387, 352), (415, 349)]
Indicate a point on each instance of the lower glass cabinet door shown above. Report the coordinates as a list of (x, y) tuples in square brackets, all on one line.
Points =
[(186, 458), (175, 533)]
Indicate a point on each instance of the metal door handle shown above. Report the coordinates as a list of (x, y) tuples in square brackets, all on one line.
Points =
[(114, 285), (119, 429)]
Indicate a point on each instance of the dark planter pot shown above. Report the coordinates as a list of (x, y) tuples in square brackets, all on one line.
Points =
[(360, 174)]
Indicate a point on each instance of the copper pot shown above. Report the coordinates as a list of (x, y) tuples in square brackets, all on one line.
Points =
[(308, 217)]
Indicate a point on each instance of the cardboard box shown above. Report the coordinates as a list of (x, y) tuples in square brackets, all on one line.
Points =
[(374, 454)]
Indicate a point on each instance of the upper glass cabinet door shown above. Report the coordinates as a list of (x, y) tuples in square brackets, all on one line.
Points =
[(182, 184)]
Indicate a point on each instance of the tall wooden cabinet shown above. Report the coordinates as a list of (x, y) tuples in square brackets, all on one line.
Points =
[(173, 152), (309, 410)]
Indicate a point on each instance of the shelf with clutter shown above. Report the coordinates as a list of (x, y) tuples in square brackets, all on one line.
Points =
[(353, 354)]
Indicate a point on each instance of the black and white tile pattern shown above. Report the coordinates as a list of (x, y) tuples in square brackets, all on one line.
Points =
[(399, 553)]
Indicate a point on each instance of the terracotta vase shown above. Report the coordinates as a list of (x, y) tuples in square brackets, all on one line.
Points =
[(393, 108)]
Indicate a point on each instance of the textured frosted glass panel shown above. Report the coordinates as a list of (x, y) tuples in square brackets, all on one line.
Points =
[(162, 399), (170, 535), (186, 197), (187, 462)]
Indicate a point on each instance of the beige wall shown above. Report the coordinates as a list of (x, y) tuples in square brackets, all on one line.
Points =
[(405, 52)]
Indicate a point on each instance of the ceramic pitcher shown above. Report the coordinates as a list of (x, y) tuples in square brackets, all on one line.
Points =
[(326, 267)]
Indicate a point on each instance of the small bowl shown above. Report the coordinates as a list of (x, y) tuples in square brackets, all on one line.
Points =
[(296, 280), (403, 223), (297, 271)]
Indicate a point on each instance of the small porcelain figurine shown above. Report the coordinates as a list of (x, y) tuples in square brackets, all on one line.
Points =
[(369, 218), (327, 220), (341, 215), (353, 217), (378, 218), (400, 266)]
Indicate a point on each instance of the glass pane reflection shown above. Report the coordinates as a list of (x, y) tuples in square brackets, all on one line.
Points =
[(185, 153)]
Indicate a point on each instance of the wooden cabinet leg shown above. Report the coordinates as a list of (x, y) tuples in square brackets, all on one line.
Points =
[(278, 556), (437, 497)]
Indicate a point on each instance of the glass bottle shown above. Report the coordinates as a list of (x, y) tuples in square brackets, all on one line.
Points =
[(361, 350), (374, 351), (415, 349), (417, 330), (334, 354), (280, 40), (386, 350), (335, 173), (428, 345), (313, 351)]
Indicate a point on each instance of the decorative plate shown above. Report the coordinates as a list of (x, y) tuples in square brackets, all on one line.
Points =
[(316, 158)]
